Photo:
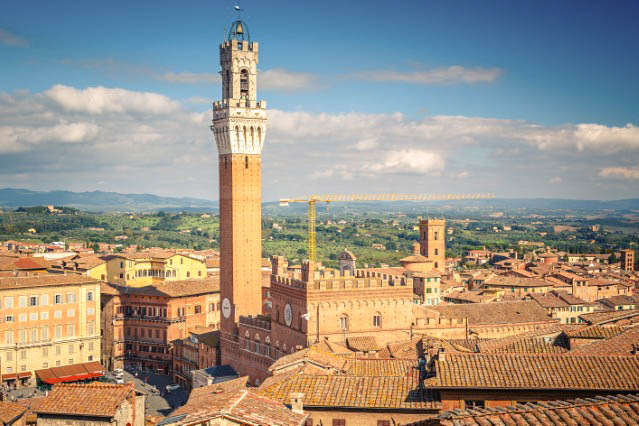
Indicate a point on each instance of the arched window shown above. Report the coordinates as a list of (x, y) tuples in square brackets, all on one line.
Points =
[(343, 322), (244, 134), (246, 161), (244, 83), (436, 252), (257, 343), (252, 136), (259, 134), (237, 133), (377, 319), (247, 341)]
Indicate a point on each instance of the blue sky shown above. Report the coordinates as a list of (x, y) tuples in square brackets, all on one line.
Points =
[(526, 98)]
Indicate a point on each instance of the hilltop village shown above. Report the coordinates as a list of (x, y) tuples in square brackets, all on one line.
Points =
[(99, 334)]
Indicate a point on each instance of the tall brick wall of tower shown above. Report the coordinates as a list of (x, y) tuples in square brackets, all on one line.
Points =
[(240, 235), (432, 241), (239, 126)]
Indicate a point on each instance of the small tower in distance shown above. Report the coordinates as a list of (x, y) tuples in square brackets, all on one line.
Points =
[(627, 260), (239, 126), (432, 241)]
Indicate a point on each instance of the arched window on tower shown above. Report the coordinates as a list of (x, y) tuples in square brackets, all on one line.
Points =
[(377, 320), (435, 235), (436, 252), (343, 322), (244, 83), (259, 134), (252, 136)]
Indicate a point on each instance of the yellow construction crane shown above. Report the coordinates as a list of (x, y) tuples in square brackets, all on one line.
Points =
[(331, 198)]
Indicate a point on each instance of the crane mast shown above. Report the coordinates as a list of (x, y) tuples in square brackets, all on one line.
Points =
[(331, 198)]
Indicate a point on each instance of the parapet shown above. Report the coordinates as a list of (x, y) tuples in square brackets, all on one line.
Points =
[(245, 46), (224, 104)]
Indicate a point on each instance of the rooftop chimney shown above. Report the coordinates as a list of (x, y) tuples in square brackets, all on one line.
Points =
[(297, 402)]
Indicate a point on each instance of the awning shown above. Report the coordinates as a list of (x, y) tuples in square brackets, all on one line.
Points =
[(24, 375), (9, 376), (71, 373)]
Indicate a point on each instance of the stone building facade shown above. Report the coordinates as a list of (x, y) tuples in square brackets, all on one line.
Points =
[(139, 323), (313, 305), (47, 321)]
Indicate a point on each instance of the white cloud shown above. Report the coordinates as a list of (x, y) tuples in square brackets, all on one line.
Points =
[(100, 100), (192, 78), (409, 161), (71, 138), (437, 76), (276, 79), (630, 173), (10, 39), (279, 79)]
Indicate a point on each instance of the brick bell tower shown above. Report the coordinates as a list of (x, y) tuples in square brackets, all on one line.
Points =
[(432, 241), (239, 125)]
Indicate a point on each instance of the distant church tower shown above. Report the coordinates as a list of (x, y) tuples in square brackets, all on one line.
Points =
[(239, 125), (432, 241)]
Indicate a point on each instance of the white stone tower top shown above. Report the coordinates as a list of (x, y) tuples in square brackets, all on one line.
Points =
[(239, 120)]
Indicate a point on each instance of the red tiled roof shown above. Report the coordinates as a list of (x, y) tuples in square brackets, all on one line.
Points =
[(231, 398), (528, 371), (625, 343), (10, 411), (180, 288), (516, 312), (362, 343), (601, 410), (595, 332), (94, 399), (368, 392), (45, 280)]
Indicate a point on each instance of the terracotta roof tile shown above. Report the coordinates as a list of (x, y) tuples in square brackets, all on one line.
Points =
[(45, 280), (174, 288), (513, 343), (595, 332), (232, 398), (515, 312), (363, 343), (370, 392), (610, 317), (625, 343), (618, 410), (381, 367), (94, 399), (528, 371), (510, 281), (9, 411)]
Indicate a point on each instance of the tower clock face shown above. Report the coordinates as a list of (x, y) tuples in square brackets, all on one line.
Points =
[(288, 315), (226, 308)]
